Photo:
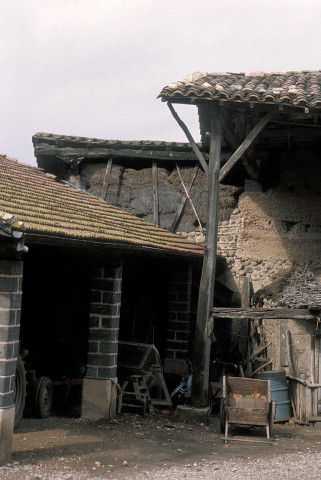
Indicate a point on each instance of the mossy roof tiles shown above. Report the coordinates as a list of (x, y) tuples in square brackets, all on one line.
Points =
[(290, 88), (50, 207)]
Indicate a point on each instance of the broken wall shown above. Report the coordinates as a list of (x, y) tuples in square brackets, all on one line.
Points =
[(132, 190)]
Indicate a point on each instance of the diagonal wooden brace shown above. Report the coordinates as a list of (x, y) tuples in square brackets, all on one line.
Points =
[(190, 138)]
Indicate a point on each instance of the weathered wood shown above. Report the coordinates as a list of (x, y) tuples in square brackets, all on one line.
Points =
[(106, 179), (67, 153), (204, 325), (246, 292), (248, 440), (262, 367), (190, 138), (155, 194), (182, 204), (260, 350), (263, 313), (245, 145)]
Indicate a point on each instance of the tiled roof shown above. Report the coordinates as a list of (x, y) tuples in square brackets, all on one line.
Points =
[(69, 140), (47, 206), (291, 88)]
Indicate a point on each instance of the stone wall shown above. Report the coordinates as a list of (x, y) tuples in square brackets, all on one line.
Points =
[(100, 383), (262, 235), (132, 190)]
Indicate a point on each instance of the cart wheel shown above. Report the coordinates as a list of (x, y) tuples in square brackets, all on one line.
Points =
[(222, 416), (19, 391), (42, 397)]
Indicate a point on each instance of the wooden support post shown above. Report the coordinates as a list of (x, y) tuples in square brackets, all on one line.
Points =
[(155, 194), (106, 179), (245, 145), (204, 325), (189, 137)]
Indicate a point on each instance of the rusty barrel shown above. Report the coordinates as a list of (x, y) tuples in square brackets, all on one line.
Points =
[(279, 393)]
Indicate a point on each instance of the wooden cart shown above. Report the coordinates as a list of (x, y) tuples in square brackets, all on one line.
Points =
[(246, 401)]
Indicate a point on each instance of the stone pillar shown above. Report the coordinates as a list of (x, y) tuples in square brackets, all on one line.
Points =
[(179, 321), (10, 307), (100, 382)]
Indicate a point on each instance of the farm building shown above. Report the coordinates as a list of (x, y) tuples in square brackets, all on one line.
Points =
[(269, 226), (78, 275), (263, 133)]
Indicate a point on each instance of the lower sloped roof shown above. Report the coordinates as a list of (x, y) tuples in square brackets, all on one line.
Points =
[(50, 207)]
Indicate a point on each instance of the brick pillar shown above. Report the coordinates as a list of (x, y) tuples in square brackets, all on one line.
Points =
[(100, 383), (179, 321), (10, 307)]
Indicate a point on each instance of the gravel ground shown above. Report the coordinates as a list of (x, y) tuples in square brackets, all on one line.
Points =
[(133, 448), (290, 466)]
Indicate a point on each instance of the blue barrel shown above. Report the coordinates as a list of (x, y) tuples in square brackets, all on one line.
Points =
[(279, 393)]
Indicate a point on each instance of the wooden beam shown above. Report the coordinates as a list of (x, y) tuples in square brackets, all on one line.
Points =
[(264, 313), (245, 144), (204, 324), (155, 194), (182, 204), (106, 179), (68, 153), (190, 138)]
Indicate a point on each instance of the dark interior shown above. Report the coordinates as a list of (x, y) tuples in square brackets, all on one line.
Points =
[(55, 312)]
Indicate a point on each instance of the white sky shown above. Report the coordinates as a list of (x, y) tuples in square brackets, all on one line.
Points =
[(95, 67)]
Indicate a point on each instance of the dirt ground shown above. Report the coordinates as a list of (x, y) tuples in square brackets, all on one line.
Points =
[(133, 447)]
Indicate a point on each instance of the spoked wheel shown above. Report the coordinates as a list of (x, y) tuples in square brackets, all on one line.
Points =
[(19, 391), (42, 397)]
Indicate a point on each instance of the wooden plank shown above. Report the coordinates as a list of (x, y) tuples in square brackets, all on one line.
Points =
[(242, 385), (270, 441), (67, 153), (155, 193), (106, 179), (246, 292), (264, 313), (245, 144), (204, 325), (182, 204), (190, 139)]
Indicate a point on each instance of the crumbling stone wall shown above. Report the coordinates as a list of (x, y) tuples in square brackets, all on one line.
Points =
[(262, 235), (131, 190)]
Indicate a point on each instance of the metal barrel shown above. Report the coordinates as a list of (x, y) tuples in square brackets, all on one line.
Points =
[(279, 393)]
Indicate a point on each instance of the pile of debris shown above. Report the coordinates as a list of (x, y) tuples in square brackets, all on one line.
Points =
[(302, 290)]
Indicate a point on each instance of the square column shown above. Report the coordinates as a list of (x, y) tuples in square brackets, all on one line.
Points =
[(10, 308), (100, 382), (179, 321)]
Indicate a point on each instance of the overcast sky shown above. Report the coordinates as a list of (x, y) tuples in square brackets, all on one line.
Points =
[(95, 67)]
